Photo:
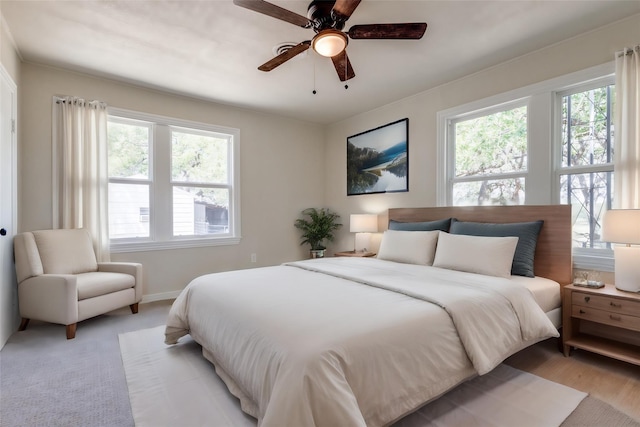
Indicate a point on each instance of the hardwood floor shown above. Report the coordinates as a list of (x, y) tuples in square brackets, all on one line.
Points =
[(612, 381)]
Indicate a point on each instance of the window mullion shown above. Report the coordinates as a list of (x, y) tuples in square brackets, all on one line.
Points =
[(540, 150), (492, 177), (604, 167), (162, 212)]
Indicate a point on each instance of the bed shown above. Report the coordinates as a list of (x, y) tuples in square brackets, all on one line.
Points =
[(359, 341)]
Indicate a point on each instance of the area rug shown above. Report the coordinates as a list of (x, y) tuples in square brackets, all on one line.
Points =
[(175, 385)]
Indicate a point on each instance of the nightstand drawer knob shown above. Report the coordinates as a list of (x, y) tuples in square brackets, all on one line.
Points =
[(582, 312), (615, 305), (586, 299), (612, 317)]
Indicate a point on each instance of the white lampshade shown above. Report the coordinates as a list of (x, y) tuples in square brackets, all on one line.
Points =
[(329, 42), (623, 226), (363, 223)]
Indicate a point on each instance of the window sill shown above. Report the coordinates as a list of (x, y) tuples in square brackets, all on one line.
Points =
[(172, 244), (601, 260)]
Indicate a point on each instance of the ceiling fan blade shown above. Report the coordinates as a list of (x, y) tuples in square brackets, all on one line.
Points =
[(411, 31), (343, 66), (274, 11), (344, 8), (285, 56)]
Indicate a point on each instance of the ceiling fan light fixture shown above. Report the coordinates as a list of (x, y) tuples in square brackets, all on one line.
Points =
[(329, 42)]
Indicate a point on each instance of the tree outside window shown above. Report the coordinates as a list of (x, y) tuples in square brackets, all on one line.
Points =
[(586, 173), (491, 158)]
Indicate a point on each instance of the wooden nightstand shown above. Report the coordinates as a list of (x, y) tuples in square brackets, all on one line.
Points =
[(355, 253), (604, 321)]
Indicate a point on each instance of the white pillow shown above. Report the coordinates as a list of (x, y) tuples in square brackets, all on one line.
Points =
[(409, 247), (491, 256)]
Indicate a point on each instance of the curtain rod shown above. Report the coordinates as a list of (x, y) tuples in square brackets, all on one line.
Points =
[(628, 51), (61, 100)]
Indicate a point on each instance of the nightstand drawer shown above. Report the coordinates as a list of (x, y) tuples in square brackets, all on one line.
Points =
[(606, 317), (603, 302)]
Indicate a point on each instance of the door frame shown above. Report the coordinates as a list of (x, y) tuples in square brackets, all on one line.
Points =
[(9, 313)]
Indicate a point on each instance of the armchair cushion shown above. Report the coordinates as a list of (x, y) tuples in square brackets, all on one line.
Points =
[(97, 283), (66, 251)]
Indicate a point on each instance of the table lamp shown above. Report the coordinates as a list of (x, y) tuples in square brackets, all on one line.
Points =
[(623, 226), (363, 225)]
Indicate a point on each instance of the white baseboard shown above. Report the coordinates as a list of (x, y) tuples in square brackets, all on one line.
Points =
[(160, 296)]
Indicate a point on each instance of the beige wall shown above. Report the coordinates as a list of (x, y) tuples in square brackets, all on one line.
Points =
[(578, 53), (281, 173)]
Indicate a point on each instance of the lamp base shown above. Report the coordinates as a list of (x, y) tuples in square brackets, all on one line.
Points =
[(627, 268), (362, 242)]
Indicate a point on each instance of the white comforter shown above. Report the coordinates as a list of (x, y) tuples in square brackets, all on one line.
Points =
[(351, 341)]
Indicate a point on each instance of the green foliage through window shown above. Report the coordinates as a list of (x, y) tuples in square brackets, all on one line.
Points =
[(496, 143), (128, 149), (487, 147)]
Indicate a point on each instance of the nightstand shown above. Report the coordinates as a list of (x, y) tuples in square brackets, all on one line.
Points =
[(604, 321), (355, 253)]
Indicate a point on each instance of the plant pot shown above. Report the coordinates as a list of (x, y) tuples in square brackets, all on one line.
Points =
[(317, 253)]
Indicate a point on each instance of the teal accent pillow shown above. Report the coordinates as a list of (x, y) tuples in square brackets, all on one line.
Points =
[(441, 224), (526, 232)]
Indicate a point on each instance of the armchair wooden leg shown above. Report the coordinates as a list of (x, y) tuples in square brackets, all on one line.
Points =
[(23, 324), (134, 308), (71, 331)]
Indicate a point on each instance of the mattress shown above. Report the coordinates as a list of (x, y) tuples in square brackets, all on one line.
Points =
[(545, 292)]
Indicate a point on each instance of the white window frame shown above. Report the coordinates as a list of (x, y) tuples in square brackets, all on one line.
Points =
[(161, 185), (544, 154), (583, 258)]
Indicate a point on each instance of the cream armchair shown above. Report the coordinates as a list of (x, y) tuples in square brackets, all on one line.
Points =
[(60, 281)]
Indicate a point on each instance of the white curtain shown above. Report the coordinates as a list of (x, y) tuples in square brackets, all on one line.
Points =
[(82, 175), (627, 129)]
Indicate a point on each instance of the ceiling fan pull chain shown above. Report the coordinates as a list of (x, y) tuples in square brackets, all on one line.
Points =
[(313, 60), (346, 86)]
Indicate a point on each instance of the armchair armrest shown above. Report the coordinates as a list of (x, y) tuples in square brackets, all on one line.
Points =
[(132, 268), (49, 297)]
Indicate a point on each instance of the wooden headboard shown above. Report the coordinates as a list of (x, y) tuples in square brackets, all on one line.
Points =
[(553, 251)]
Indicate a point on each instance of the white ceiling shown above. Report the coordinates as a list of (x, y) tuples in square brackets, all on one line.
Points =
[(211, 49)]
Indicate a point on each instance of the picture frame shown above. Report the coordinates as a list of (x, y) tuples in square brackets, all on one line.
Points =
[(378, 160)]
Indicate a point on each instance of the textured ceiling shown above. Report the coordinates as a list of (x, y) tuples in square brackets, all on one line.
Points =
[(211, 49)]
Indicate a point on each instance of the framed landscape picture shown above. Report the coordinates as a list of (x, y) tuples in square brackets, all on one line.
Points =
[(378, 159)]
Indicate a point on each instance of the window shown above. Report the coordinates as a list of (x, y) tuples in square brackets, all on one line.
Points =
[(129, 177), (172, 183), (490, 154), (551, 142), (586, 171)]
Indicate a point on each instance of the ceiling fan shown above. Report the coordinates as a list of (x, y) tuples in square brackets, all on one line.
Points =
[(327, 18)]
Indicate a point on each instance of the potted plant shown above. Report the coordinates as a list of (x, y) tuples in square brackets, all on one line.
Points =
[(317, 225)]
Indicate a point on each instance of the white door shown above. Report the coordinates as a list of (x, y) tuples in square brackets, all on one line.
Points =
[(8, 199)]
